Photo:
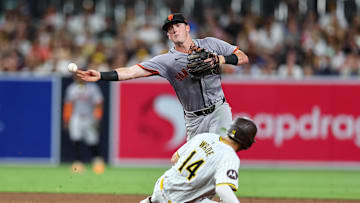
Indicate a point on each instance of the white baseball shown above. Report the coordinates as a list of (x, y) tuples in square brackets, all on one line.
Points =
[(72, 67)]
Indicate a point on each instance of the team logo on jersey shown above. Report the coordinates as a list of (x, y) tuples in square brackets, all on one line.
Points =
[(232, 174), (182, 75)]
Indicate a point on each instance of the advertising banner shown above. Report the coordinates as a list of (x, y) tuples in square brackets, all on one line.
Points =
[(305, 121), (151, 122), (28, 120), (302, 121)]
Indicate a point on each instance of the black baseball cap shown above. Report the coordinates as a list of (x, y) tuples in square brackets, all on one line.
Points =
[(174, 18)]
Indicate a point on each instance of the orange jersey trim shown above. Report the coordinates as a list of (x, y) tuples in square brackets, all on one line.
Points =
[(237, 48), (152, 72)]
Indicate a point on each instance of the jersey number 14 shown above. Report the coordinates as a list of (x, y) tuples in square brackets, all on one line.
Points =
[(192, 167)]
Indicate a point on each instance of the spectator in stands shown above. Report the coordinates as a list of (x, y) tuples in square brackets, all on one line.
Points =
[(41, 43), (291, 68)]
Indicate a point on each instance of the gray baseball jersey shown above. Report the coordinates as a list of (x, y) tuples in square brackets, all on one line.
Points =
[(205, 161), (84, 98), (194, 94)]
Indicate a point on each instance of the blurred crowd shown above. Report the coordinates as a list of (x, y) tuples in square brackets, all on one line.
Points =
[(300, 46)]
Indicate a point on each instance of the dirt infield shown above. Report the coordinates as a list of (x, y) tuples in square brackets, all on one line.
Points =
[(93, 198)]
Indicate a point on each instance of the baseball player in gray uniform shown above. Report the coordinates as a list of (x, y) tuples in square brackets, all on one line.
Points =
[(202, 98), (83, 109), (207, 165)]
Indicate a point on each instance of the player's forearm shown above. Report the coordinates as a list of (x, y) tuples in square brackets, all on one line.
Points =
[(109, 76), (226, 194), (238, 58), (125, 73), (117, 74)]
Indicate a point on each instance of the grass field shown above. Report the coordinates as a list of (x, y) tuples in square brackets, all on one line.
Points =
[(289, 183)]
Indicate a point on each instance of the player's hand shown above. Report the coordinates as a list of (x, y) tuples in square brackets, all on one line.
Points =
[(88, 75), (221, 59), (175, 157)]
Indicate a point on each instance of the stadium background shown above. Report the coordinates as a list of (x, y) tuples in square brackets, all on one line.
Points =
[(318, 39)]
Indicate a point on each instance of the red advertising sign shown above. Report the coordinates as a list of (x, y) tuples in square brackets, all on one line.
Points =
[(151, 122), (297, 121)]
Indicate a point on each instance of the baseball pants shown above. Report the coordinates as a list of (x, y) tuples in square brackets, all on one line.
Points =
[(216, 122), (83, 128)]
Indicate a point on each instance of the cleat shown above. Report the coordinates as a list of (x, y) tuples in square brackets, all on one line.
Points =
[(77, 167), (98, 165)]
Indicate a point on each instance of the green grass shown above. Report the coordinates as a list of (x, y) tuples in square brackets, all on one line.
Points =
[(325, 184)]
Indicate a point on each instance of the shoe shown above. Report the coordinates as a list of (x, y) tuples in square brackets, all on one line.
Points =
[(98, 165), (77, 167)]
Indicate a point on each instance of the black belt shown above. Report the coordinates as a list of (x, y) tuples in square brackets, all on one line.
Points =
[(207, 111)]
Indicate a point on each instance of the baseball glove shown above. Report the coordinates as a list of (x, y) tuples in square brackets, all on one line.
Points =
[(202, 62)]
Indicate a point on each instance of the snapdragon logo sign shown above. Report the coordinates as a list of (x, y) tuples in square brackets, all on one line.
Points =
[(169, 108), (313, 125)]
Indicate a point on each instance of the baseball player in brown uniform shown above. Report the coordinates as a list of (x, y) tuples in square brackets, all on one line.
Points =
[(192, 66)]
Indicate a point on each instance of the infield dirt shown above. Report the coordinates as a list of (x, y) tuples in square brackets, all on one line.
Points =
[(108, 198)]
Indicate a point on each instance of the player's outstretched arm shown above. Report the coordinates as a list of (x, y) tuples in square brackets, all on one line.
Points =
[(125, 73), (131, 72), (226, 194)]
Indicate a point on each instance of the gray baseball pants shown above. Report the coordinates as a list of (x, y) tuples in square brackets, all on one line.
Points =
[(216, 122)]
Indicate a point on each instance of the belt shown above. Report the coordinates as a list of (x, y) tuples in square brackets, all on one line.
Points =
[(209, 110)]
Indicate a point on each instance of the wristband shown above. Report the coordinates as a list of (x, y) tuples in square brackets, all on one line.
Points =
[(231, 59), (109, 76)]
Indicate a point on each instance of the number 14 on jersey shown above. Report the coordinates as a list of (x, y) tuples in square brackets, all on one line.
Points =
[(191, 167)]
